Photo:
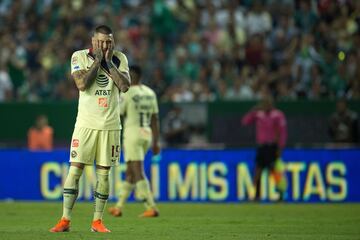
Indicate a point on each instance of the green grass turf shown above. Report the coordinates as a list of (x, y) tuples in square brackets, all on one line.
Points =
[(31, 220)]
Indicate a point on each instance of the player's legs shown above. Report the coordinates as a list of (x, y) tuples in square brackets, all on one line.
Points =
[(101, 195), (129, 175), (135, 147), (276, 168), (126, 189), (257, 181), (133, 150), (81, 153), (107, 155), (259, 167), (71, 188), (142, 184), (143, 189), (265, 159)]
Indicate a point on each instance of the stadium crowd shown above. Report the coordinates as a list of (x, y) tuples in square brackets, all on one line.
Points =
[(190, 50)]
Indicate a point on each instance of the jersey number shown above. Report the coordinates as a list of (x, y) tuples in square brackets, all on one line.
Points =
[(115, 150), (144, 119)]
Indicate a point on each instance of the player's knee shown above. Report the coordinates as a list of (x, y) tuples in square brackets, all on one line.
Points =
[(138, 172), (75, 172), (103, 175), (130, 178), (129, 174), (139, 176), (71, 183), (77, 165)]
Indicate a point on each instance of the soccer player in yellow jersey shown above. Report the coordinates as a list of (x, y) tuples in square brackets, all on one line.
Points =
[(141, 129), (100, 74)]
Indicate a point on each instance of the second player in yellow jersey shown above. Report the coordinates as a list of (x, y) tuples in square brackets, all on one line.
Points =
[(141, 129), (139, 104)]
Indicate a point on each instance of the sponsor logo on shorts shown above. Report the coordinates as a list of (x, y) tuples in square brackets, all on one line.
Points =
[(73, 154), (75, 143), (102, 102)]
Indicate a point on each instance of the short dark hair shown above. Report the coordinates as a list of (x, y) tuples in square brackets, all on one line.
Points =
[(103, 29), (136, 69)]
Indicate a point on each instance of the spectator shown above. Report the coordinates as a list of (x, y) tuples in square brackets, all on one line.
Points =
[(304, 61), (271, 134), (175, 127), (6, 86), (240, 90), (305, 16), (254, 51), (221, 90), (343, 126), (40, 136), (258, 20), (185, 39)]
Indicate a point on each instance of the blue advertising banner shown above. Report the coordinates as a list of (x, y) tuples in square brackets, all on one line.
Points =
[(316, 175)]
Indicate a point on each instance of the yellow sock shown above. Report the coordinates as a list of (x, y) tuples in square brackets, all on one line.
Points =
[(101, 193), (125, 192), (71, 190), (144, 193)]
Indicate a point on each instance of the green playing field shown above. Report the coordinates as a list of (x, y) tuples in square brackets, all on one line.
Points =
[(31, 220)]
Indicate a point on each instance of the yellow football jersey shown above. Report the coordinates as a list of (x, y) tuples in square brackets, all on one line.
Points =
[(138, 104), (99, 105)]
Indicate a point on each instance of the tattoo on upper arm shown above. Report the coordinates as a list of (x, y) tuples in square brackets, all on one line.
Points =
[(79, 78)]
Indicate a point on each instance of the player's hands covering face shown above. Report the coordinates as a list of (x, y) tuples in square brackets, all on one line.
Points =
[(109, 51), (97, 49)]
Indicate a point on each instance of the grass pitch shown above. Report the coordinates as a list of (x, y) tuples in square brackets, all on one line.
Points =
[(31, 220)]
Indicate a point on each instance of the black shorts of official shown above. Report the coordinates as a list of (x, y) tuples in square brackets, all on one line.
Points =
[(266, 155)]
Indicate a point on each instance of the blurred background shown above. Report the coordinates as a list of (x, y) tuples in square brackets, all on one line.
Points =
[(209, 62), (213, 59), (216, 66)]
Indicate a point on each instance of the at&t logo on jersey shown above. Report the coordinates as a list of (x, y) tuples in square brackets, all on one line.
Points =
[(102, 80), (102, 92)]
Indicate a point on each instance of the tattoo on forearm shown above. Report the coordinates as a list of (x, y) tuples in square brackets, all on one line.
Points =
[(79, 74), (91, 74), (122, 80), (84, 78)]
